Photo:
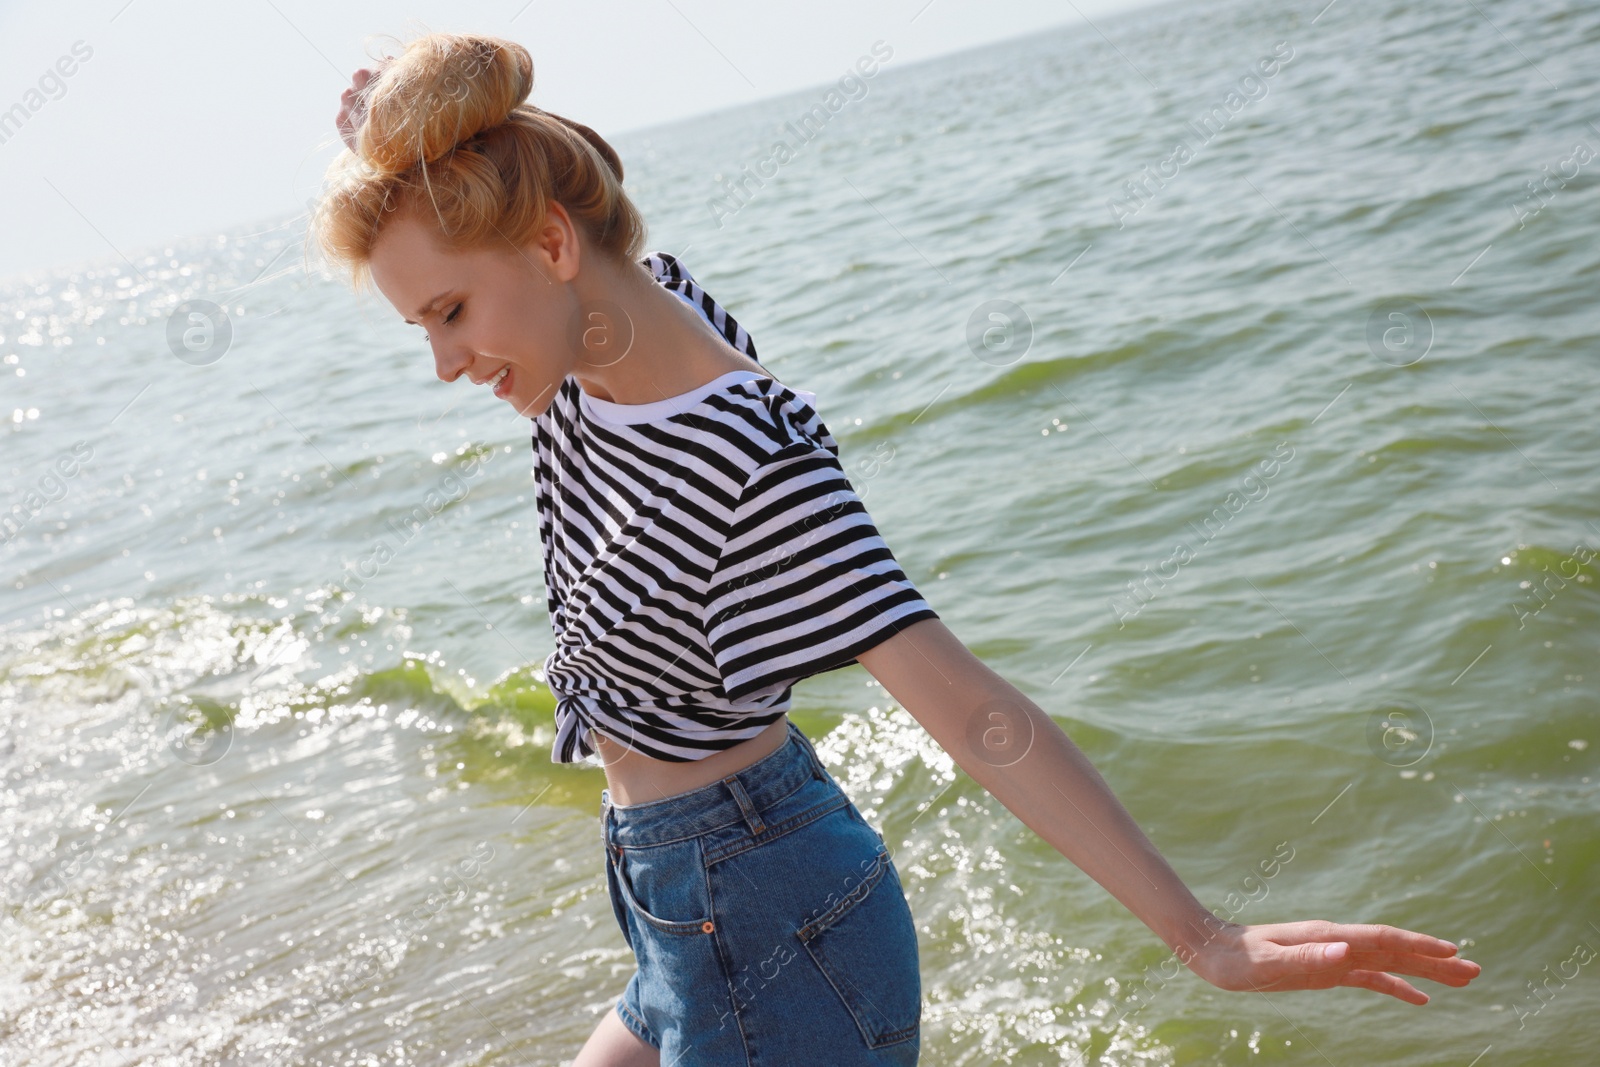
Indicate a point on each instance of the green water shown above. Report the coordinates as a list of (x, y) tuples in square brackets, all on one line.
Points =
[(260, 801)]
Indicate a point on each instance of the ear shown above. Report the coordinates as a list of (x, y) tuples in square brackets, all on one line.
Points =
[(555, 250)]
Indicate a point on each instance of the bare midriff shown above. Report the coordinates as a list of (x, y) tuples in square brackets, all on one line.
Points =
[(634, 778)]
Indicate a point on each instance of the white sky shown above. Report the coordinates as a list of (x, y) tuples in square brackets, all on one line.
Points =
[(191, 117)]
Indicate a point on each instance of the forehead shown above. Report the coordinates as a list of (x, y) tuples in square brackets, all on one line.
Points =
[(406, 256), (411, 265)]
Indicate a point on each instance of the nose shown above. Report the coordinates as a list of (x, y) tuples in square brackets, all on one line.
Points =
[(449, 361)]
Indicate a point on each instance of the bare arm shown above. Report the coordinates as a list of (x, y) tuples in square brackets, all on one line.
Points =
[(1008, 745)]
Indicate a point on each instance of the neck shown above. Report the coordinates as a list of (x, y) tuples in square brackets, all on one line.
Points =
[(660, 347)]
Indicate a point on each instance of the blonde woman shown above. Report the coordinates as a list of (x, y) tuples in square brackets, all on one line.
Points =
[(704, 551)]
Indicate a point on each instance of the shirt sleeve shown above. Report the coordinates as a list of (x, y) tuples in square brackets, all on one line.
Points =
[(804, 582)]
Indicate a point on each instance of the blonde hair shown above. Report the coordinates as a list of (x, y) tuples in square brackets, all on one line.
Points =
[(448, 135)]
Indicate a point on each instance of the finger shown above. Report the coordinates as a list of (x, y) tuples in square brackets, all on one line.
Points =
[(1379, 982), (1383, 938), (366, 74), (1453, 971)]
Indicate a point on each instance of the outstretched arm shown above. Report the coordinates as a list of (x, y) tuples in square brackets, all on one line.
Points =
[(1008, 745)]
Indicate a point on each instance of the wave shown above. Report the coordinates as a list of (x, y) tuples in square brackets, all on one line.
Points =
[(243, 671)]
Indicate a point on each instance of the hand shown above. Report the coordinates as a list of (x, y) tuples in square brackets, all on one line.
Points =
[(1283, 956), (353, 104)]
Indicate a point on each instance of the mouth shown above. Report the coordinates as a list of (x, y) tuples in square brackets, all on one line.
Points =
[(502, 382)]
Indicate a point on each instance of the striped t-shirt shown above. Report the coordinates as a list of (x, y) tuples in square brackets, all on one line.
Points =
[(702, 554)]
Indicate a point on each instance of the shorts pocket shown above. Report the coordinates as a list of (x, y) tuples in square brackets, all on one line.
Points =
[(866, 947), (676, 888)]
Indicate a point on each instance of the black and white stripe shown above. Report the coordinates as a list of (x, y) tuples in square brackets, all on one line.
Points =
[(699, 563)]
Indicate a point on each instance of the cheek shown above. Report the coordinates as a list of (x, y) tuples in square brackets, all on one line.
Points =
[(529, 332), (538, 357)]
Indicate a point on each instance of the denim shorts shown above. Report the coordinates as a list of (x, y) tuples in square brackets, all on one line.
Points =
[(767, 920)]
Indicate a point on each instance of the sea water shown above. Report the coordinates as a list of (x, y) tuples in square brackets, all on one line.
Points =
[(1224, 375)]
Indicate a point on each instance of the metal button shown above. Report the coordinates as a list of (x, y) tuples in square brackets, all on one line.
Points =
[(707, 926)]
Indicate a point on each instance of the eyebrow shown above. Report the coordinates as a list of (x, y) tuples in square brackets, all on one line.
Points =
[(429, 306)]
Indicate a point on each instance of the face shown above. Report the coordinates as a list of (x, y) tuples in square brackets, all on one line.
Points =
[(486, 310)]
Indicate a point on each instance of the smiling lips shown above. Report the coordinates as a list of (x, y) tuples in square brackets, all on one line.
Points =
[(499, 380)]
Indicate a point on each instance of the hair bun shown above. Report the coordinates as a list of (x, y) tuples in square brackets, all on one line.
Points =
[(443, 89)]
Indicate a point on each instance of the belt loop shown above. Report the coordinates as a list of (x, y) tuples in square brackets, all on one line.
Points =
[(751, 816), (607, 821)]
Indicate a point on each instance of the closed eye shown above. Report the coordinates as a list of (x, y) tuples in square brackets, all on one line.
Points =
[(454, 312)]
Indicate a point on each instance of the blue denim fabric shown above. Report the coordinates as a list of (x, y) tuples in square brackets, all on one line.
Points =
[(768, 922)]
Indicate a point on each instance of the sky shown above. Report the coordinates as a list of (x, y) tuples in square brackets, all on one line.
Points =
[(181, 118)]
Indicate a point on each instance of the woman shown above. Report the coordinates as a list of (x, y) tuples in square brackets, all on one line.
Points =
[(703, 551)]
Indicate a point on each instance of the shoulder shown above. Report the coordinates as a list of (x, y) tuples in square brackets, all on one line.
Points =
[(666, 268), (767, 421), (788, 475)]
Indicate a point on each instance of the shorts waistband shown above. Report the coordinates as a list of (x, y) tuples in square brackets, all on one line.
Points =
[(735, 798)]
